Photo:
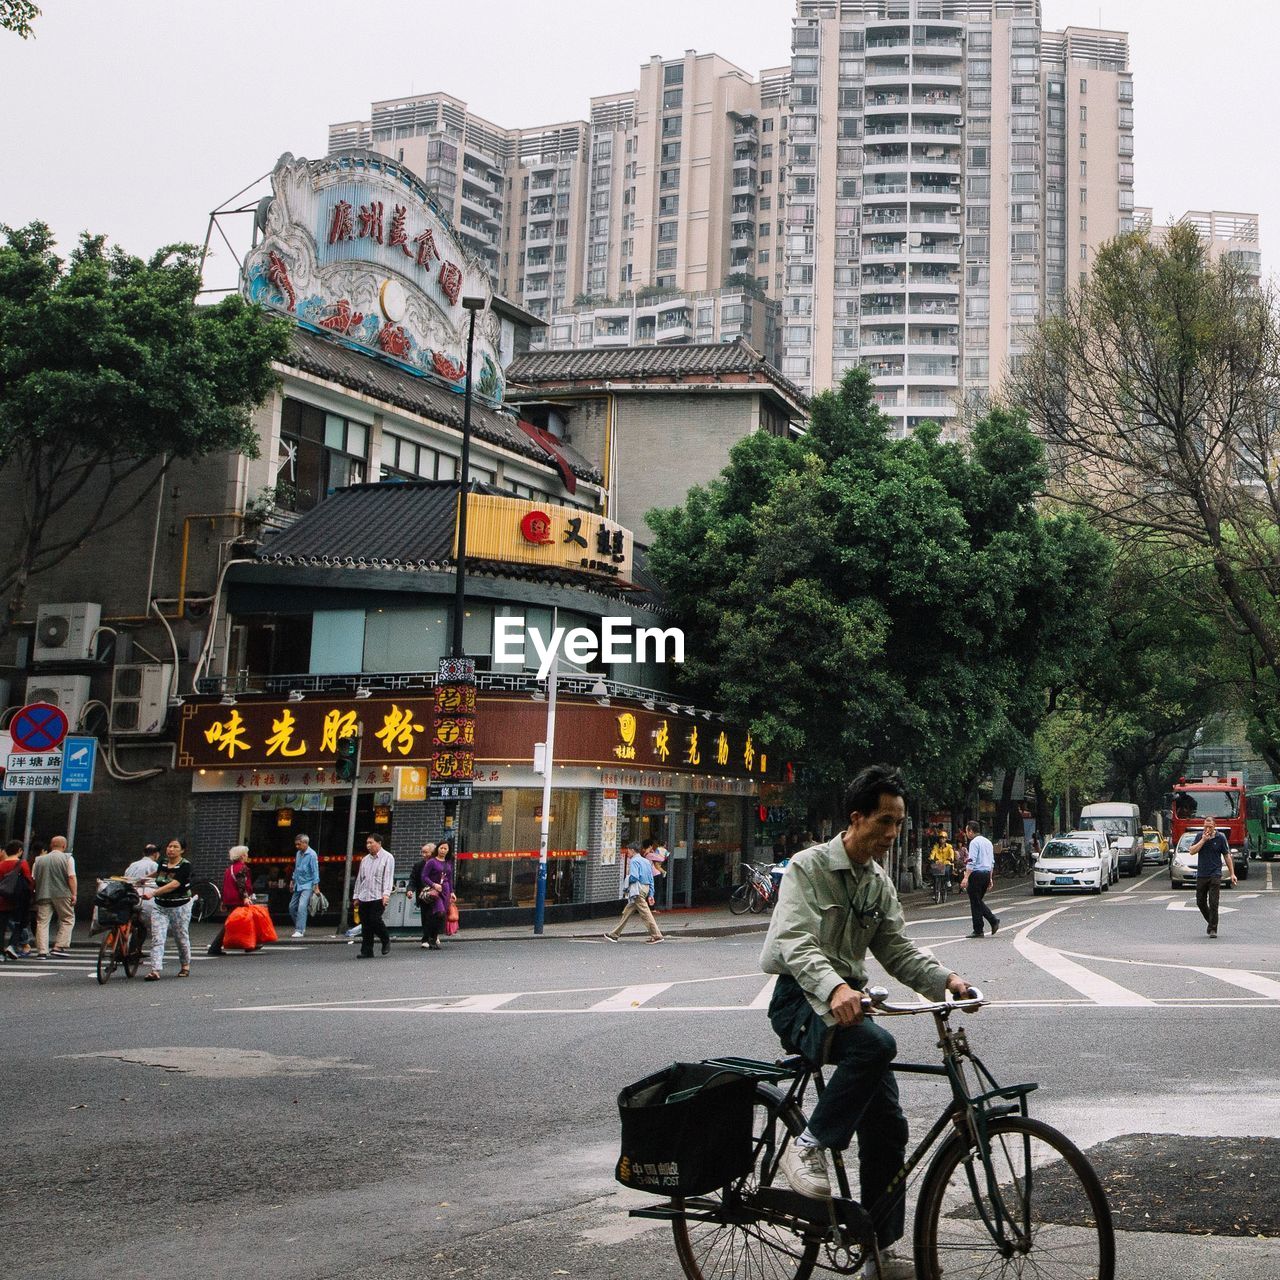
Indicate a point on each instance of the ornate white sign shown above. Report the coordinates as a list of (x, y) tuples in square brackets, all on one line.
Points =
[(357, 249)]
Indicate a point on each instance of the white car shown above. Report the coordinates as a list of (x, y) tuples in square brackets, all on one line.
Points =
[(1182, 864), (1073, 862), (1106, 847)]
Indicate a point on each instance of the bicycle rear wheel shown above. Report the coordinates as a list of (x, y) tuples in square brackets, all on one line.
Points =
[(740, 900), (758, 900), (107, 958), (1047, 1214), (738, 1245)]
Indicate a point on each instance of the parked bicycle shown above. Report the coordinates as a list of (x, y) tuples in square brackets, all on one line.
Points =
[(1004, 1195), (755, 893), (206, 901), (119, 907), (1011, 859)]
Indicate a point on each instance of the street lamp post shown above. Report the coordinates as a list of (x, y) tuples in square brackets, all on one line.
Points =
[(460, 584)]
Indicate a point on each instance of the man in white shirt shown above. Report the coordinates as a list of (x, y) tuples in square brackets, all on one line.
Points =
[(977, 880), (374, 882), (142, 875)]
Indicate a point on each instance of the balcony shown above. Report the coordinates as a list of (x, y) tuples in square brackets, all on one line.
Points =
[(928, 309), (939, 99), (880, 104), (743, 211), (897, 44), (929, 132), (937, 74), (884, 248), (935, 219), (942, 43), (943, 194), (894, 191), (886, 217), (926, 276), (936, 159), (900, 72), (885, 130), (883, 309)]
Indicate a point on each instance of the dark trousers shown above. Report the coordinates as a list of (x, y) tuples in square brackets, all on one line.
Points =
[(13, 924), (371, 926), (432, 923), (860, 1097), (1207, 891), (979, 883)]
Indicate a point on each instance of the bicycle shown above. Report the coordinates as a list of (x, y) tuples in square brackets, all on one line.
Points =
[(125, 940), (754, 894), (1003, 1194), (206, 901)]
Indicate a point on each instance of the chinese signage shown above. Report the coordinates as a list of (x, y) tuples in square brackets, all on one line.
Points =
[(517, 531), (357, 249), (33, 771), (453, 745)]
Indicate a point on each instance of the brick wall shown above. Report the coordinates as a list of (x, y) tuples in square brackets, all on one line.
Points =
[(215, 827)]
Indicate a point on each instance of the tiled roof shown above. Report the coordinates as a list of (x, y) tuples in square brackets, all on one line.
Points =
[(709, 360), (409, 526), (336, 362)]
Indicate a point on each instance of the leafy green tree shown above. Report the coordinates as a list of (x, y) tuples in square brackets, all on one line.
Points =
[(857, 597), (1157, 391), (108, 372), (17, 16)]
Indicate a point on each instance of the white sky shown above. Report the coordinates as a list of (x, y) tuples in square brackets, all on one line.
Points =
[(136, 117)]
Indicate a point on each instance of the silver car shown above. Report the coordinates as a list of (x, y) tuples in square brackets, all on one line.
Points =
[(1182, 863)]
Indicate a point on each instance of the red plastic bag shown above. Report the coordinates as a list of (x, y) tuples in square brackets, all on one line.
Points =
[(239, 930), (452, 917), (266, 931)]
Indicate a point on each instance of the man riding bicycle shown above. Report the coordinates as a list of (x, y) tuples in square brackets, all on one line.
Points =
[(836, 904)]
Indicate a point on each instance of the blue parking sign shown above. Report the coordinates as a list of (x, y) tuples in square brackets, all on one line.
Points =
[(79, 755)]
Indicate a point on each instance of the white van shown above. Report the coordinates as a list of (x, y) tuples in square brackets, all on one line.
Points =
[(1122, 826)]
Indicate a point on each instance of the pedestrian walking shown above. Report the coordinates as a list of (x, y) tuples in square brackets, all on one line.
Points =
[(1211, 850), (417, 886), (374, 882), (56, 887), (639, 892), (434, 892), (977, 880), (306, 880), (941, 861), (657, 856), (17, 892), (172, 899), (237, 891), (818, 950)]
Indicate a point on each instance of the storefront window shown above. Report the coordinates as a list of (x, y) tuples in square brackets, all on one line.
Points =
[(501, 831), (718, 845)]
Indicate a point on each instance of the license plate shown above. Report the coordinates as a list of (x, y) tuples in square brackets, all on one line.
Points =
[(1063, 880)]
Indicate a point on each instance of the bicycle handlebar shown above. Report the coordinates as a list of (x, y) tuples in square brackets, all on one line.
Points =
[(876, 1000)]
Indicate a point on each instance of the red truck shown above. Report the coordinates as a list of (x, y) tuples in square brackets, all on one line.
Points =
[(1220, 798)]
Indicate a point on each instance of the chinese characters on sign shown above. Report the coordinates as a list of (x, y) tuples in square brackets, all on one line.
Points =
[(367, 224), (453, 748)]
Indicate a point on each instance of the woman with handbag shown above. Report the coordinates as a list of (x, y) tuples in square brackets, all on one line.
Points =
[(434, 894), (172, 911), (237, 891)]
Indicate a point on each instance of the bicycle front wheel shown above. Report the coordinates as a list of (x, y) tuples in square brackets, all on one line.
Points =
[(1041, 1211), (107, 958), (759, 900), (133, 953), (740, 900), (736, 1244)]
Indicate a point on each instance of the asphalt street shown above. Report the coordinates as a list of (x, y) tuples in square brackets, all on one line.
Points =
[(296, 1113)]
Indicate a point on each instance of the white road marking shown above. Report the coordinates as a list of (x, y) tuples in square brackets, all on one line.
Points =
[(1238, 978), (766, 994), (1093, 985), (1191, 906), (630, 997), (471, 1004)]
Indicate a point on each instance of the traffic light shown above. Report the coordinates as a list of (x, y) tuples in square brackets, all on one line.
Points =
[(346, 761)]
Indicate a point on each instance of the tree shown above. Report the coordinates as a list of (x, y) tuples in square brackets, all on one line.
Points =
[(1157, 391), (17, 16), (855, 597), (108, 372)]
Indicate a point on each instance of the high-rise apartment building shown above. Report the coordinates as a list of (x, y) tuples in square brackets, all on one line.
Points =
[(952, 168), (1235, 236), (670, 190)]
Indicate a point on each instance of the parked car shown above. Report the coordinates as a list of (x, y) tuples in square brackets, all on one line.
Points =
[(1182, 863), (1155, 848), (1072, 862)]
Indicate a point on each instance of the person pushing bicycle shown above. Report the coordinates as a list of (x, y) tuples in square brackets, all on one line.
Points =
[(836, 904)]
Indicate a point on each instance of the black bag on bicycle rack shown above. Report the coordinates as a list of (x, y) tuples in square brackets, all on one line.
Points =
[(686, 1130), (115, 901)]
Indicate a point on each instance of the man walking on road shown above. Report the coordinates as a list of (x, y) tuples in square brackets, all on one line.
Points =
[(373, 891), (56, 886), (639, 891), (1211, 848), (836, 903), (306, 876), (977, 879)]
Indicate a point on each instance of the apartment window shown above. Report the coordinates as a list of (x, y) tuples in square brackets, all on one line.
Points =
[(1023, 152), (766, 125), (1025, 95), (977, 337), (980, 157), (1126, 200), (766, 203), (800, 274), (1023, 273), (804, 126), (849, 188), (805, 95), (1084, 142), (672, 99), (319, 452), (978, 273), (1056, 117), (764, 230), (850, 128), (1056, 90), (801, 154), (763, 256), (1026, 66), (977, 246), (1084, 253), (804, 186), (1126, 117), (766, 177), (1024, 213), (978, 215), (1084, 168), (804, 65), (1084, 195), (1023, 304), (851, 68), (673, 73), (766, 151), (979, 41), (665, 259), (978, 185), (1024, 182), (670, 153), (977, 307), (1084, 224), (1126, 172), (1126, 90), (979, 68), (405, 459), (1124, 144), (1084, 86), (1025, 242), (667, 231), (668, 206), (979, 98), (977, 367), (671, 126)]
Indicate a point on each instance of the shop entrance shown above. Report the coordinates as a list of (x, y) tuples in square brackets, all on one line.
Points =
[(660, 816), (322, 815)]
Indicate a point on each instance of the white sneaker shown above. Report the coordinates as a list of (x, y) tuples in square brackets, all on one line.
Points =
[(805, 1168), (296, 934), (893, 1266)]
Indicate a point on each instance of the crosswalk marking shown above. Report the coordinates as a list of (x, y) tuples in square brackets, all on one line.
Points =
[(766, 994), (1254, 982), (630, 997), (471, 1004)]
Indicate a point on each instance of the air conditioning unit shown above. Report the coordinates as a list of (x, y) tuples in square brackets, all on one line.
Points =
[(140, 697), (67, 693), (64, 632)]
